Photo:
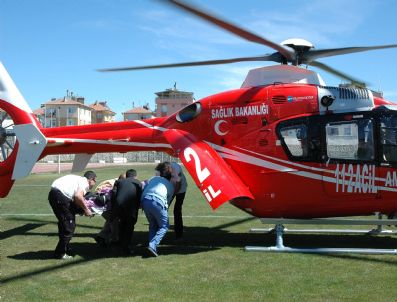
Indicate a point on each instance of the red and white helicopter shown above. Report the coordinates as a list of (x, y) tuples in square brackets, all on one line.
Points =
[(283, 145)]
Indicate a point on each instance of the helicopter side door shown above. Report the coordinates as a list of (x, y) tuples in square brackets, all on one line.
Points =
[(388, 154), (349, 156)]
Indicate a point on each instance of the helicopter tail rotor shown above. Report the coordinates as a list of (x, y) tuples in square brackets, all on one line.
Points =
[(21, 141)]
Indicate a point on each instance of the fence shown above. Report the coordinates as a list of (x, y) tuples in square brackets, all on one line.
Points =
[(130, 157)]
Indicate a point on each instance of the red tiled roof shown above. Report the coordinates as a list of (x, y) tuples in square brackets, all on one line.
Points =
[(39, 111), (65, 102), (138, 110), (101, 106)]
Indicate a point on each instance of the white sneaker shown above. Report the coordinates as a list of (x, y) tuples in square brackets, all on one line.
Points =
[(65, 257), (153, 253)]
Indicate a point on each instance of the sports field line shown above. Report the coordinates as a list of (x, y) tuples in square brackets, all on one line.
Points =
[(48, 186), (171, 216)]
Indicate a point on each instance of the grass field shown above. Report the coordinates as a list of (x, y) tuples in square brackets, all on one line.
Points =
[(210, 265)]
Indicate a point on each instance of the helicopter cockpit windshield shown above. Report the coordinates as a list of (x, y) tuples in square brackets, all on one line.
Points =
[(367, 137)]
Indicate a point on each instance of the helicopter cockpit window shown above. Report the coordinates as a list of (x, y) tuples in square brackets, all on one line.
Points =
[(388, 136), (189, 113), (350, 140), (295, 138)]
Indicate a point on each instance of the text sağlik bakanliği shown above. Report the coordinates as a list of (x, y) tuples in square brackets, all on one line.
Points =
[(226, 112)]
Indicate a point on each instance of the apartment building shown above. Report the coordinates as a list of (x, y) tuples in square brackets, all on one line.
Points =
[(101, 113), (172, 100), (68, 111), (138, 113)]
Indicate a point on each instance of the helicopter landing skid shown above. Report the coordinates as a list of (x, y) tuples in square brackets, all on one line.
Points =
[(280, 230)]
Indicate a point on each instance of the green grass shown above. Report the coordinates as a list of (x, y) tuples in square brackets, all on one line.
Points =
[(210, 265)]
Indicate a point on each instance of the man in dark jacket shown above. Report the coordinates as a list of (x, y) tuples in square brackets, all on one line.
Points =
[(125, 205)]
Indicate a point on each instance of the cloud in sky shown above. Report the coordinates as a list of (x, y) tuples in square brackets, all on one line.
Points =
[(317, 21), (173, 24), (320, 22), (231, 77), (78, 37)]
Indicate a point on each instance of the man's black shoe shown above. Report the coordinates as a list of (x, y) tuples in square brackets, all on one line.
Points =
[(128, 251), (101, 242)]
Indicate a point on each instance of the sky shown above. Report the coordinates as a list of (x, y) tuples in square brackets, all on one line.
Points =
[(51, 46)]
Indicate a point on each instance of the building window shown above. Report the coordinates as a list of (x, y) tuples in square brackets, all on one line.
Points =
[(71, 110), (164, 109), (51, 112)]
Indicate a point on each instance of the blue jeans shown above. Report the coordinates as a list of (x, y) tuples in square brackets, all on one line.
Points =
[(157, 215)]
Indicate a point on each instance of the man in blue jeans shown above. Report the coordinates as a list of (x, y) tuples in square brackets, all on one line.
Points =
[(155, 199)]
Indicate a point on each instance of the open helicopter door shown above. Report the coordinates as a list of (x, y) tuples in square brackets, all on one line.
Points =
[(351, 151), (388, 153), (350, 144), (209, 171)]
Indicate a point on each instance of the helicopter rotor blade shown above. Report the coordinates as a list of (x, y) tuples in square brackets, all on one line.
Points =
[(290, 55), (273, 57), (338, 73), (322, 53)]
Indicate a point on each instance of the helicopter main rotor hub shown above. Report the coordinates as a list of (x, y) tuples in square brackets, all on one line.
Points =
[(300, 46)]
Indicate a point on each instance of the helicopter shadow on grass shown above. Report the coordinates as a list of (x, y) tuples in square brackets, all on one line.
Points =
[(20, 230), (53, 221), (205, 239), (199, 239), (90, 251), (34, 223)]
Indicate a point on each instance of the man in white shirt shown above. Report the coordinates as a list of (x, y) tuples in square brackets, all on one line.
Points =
[(65, 197)]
